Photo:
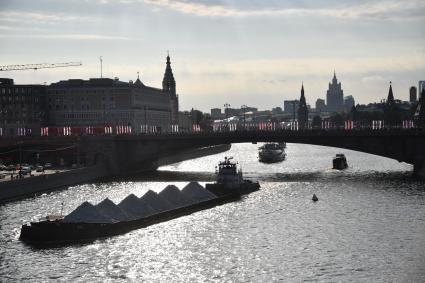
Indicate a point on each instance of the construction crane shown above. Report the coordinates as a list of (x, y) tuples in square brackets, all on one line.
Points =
[(38, 66)]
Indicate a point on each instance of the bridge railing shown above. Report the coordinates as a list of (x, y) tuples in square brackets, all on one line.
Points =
[(227, 127)]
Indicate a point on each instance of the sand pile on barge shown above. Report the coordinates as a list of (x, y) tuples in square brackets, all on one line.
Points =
[(196, 192), (86, 213), (111, 210), (174, 196), (135, 208), (156, 201)]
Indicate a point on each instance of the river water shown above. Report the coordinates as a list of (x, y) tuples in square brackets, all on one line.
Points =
[(368, 226)]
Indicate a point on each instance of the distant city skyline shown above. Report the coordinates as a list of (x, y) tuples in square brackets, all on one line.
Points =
[(236, 52)]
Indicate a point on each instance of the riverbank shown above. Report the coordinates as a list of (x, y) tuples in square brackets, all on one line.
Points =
[(50, 181), (55, 180)]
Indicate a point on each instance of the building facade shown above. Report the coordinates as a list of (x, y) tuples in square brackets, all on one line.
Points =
[(108, 102), (216, 114), (335, 96), (291, 107), (421, 86), (413, 94), (23, 108), (349, 102), (320, 105)]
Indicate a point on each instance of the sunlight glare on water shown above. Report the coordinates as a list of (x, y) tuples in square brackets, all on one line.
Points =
[(368, 225)]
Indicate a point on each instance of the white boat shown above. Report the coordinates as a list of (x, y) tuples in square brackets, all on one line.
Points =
[(272, 152)]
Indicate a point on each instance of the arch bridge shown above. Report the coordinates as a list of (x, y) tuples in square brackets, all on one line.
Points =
[(124, 153)]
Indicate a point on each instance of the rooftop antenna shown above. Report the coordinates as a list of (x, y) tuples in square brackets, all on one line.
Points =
[(101, 61)]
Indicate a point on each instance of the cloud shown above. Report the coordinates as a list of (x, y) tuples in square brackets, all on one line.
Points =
[(72, 36), (373, 79), (382, 10), (42, 18)]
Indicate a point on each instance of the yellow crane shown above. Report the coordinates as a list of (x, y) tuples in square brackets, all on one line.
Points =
[(38, 66)]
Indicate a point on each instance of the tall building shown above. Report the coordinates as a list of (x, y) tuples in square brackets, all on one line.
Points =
[(302, 111), (335, 96), (421, 87), (291, 107), (419, 115), (22, 107), (169, 86), (412, 94), (349, 103), (320, 105)]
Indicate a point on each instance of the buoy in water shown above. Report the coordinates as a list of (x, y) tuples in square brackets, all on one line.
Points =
[(314, 198)]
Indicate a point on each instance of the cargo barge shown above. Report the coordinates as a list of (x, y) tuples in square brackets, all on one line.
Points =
[(60, 232), (82, 225)]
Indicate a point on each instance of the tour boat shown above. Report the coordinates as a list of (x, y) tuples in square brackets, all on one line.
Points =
[(272, 152), (340, 162)]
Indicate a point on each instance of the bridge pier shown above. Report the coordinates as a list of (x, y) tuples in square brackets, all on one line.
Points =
[(419, 169)]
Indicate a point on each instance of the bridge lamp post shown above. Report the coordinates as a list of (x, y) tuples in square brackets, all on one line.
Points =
[(243, 107)]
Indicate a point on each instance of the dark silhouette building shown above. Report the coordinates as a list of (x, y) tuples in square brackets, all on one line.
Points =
[(320, 105), (390, 98), (419, 116), (335, 96), (22, 108), (302, 111), (169, 86), (413, 94)]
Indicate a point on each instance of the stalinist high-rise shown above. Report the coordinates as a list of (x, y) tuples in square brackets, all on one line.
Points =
[(335, 96)]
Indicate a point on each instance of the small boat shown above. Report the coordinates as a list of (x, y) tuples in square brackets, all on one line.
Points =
[(272, 152), (340, 162), (230, 179), (314, 198)]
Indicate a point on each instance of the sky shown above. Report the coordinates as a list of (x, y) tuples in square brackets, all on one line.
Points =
[(240, 52)]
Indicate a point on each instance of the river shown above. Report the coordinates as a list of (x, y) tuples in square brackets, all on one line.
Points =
[(368, 226)]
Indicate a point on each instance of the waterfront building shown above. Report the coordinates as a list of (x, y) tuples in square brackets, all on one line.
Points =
[(413, 94), (111, 102), (302, 111), (320, 105), (335, 96), (23, 108)]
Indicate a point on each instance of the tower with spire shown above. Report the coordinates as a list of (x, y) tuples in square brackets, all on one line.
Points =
[(169, 86), (335, 96), (390, 98), (302, 111)]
